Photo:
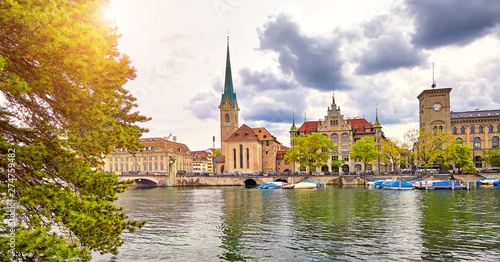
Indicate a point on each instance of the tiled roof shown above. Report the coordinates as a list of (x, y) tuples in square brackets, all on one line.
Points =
[(243, 133), (154, 143), (309, 127), (360, 125), (475, 114), (263, 134)]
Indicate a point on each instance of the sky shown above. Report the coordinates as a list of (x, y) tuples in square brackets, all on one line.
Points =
[(292, 56)]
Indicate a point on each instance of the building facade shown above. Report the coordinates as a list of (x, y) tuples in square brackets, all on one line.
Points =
[(479, 129), (343, 133), (159, 156)]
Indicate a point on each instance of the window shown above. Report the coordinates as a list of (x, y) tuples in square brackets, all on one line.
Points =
[(346, 158), (480, 129), (369, 167), (435, 129), (454, 130), (121, 167), (126, 167), (490, 128), (227, 118), (110, 168), (241, 156), (494, 141), (335, 158), (462, 130), (345, 149), (477, 161), (150, 158), (161, 157), (441, 128), (156, 157), (156, 166), (234, 157), (498, 128), (335, 138), (248, 158), (267, 143), (477, 142), (144, 167), (460, 141), (472, 129), (110, 159), (150, 167), (357, 167), (345, 138)]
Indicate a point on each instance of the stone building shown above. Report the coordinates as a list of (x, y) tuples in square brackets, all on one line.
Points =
[(480, 129), (244, 149), (344, 132), (202, 161), (159, 156)]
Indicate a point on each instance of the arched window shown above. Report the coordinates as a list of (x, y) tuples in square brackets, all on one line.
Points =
[(335, 138), (477, 161), (481, 129), (435, 129), (462, 130), (477, 142), (454, 130), (368, 167), (472, 128), (494, 141), (357, 167), (248, 158), (345, 138), (460, 141), (234, 157), (441, 128), (241, 156), (490, 128), (227, 118)]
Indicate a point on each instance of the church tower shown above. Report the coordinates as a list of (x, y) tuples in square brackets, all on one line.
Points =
[(228, 105), (434, 109)]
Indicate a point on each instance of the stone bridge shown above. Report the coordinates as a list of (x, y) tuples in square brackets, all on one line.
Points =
[(151, 180)]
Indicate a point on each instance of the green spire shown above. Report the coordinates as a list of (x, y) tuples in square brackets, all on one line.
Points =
[(377, 123), (228, 82), (293, 128)]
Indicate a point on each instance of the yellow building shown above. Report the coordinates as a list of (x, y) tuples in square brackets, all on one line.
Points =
[(480, 129), (159, 156)]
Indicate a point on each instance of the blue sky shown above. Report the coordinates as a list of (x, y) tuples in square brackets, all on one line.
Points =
[(286, 55)]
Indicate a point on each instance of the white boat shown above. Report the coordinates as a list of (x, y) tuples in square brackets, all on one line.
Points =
[(487, 181), (307, 185)]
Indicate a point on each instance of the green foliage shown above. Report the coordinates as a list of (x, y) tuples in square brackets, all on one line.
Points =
[(217, 151), (65, 107), (460, 155), (365, 150), (392, 149), (310, 151), (492, 156), (429, 147)]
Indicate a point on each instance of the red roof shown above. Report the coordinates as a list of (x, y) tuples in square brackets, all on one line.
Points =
[(309, 127), (360, 125)]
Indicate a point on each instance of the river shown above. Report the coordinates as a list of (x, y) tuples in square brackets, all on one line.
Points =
[(327, 224)]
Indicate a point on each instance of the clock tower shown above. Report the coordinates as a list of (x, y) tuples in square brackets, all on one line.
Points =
[(228, 105), (434, 109)]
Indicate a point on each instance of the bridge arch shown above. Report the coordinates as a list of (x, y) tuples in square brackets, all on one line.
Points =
[(250, 182), (144, 182), (281, 180)]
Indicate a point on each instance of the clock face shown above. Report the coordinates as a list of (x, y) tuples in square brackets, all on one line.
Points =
[(226, 106), (437, 106)]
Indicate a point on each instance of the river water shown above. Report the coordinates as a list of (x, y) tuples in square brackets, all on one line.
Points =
[(326, 224)]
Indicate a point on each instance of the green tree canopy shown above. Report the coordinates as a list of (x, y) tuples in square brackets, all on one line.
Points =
[(492, 156), (428, 147), (62, 78), (461, 155), (310, 151), (365, 150), (392, 148)]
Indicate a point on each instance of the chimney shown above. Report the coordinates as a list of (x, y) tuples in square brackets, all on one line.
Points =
[(174, 139)]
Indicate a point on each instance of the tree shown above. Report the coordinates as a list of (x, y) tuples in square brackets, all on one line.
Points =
[(460, 155), (392, 149), (427, 146), (310, 151), (365, 150), (65, 107), (492, 156)]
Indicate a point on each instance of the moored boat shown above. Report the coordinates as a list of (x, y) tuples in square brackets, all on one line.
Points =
[(306, 185), (396, 185), (271, 185), (487, 181)]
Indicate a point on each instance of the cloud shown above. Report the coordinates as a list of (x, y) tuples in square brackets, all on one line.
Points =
[(204, 105), (313, 61), (388, 52), (266, 80), (452, 22)]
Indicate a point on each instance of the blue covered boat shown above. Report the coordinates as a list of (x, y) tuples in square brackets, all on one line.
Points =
[(496, 184), (272, 185), (487, 181), (396, 185), (446, 185)]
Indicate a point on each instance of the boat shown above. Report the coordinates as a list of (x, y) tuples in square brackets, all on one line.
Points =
[(487, 181), (396, 185), (306, 185), (271, 185), (496, 184), (379, 183), (372, 182), (446, 184)]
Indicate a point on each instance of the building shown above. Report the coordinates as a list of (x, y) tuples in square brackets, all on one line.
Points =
[(479, 129), (344, 133), (244, 149), (159, 156), (202, 161)]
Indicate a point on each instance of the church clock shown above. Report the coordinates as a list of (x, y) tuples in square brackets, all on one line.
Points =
[(226, 106)]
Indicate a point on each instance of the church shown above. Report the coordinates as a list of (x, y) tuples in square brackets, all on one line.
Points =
[(244, 149)]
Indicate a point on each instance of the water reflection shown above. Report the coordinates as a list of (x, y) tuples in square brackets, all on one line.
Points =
[(332, 224)]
